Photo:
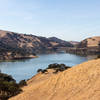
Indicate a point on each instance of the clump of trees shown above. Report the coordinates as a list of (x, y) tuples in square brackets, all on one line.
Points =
[(42, 70), (55, 66), (58, 67), (22, 83), (98, 57), (9, 87)]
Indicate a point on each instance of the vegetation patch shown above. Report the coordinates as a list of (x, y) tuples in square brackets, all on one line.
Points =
[(55, 66), (22, 83), (42, 70), (9, 87), (98, 57)]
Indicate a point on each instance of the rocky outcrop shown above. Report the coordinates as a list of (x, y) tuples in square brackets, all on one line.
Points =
[(81, 82)]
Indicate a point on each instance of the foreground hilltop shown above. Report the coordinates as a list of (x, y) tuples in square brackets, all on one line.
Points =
[(12, 43), (81, 82)]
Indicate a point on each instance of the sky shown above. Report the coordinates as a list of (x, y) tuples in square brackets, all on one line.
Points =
[(65, 19)]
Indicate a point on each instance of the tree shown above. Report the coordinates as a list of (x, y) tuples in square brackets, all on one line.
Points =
[(8, 87), (22, 83)]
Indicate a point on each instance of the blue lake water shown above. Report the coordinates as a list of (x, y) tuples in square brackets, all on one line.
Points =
[(25, 69)]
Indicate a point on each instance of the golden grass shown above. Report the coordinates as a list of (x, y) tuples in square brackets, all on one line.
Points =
[(82, 82)]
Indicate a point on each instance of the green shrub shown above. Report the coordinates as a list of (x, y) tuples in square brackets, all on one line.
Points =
[(55, 66), (44, 71), (39, 70), (3, 97), (8, 87), (58, 67), (98, 56), (22, 83)]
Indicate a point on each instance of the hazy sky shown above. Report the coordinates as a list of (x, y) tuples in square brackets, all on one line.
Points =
[(66, 19)]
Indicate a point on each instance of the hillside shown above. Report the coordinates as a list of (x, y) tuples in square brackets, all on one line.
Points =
[(90, 42), (61, 43), (75, 43), (89, 46), (12, 43), (81, 82)]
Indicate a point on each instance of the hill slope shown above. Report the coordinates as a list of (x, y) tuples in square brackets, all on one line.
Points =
[(81, 82), (27, 44), (90, 42), (89, 46), (61, 43)]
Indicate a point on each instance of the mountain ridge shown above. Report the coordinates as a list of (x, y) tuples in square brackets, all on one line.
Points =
[(28, 44)]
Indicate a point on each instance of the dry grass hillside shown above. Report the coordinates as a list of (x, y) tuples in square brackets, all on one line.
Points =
[(81, 82), (93, 42), (90, 42), (30, 43), (18, 46)]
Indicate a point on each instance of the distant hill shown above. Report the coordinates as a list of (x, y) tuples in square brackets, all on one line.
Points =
[(89, 46), (74, 43), (59, 42), (90, 42), (28, 44), (81, 82)]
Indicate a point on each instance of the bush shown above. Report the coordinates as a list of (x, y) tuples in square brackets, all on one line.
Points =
[(55, 66), (58, 67), (52, 66), (8, 87), (98, 56), (22, 83), (5, 77), (39, 70), (3, 97), (42, 70)]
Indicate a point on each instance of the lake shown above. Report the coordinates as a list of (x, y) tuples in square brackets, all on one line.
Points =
[(25, 69)]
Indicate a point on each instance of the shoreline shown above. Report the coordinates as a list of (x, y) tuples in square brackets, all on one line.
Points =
[(18, 58), (84, 51)]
